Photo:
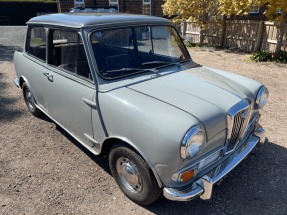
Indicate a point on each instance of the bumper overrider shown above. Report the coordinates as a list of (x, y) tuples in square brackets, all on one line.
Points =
[(203, 187)]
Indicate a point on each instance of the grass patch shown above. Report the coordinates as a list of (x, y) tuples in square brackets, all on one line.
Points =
[(280, 57)]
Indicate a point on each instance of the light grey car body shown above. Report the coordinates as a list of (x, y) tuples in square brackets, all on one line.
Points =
[(151, 112)]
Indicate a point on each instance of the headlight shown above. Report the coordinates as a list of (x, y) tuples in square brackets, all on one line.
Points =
[(261, 98), (192, 142)]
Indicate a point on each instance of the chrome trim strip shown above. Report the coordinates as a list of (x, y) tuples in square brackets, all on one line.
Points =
[(203, 187), (16, 82), (93, 142)]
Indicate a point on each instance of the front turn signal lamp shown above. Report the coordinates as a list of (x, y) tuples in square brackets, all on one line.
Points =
[(186, 176)]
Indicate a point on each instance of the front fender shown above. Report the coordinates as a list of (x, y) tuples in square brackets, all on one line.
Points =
[(153, 128)]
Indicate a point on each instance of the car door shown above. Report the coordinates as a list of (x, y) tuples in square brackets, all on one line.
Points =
[(34, 64), (71, 87)]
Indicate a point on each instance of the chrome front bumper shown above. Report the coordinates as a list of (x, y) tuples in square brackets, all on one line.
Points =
[(203, 186)]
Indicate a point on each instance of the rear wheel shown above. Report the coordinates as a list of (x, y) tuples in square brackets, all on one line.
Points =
[(133, 175), (30, 100)]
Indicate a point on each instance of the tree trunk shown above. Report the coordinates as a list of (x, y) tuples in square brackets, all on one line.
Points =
[(201, 35), (281, 31), (223, 31)]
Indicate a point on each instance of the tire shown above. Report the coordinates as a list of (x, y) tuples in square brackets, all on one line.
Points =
[(30, 100), (133, 175)]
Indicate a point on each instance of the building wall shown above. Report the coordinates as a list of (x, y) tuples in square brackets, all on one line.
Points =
[(125, 6), (18, 13), (251, 16)]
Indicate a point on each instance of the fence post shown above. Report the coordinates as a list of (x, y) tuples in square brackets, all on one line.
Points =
[(183, 29), (258, 41), (223, 30)]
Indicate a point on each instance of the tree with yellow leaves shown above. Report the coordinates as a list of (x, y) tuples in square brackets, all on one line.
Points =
[(200, 11), (230, 7), (272, 9)]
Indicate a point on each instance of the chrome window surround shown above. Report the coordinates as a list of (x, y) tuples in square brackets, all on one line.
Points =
[(238, 118)]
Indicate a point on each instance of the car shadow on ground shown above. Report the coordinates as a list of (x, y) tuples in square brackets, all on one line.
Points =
[(101, 161), (257, 186), (7, 52), (7, 113)]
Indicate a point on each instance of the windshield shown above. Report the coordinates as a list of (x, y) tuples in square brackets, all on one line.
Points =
[(132, 50)]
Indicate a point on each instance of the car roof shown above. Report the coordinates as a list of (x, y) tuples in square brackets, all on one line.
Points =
[(80, 20)]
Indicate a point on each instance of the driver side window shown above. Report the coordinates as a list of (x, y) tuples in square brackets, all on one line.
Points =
[(68, 53)]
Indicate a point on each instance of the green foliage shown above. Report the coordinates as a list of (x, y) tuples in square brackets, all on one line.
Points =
[(261, 56), (280, 57), (189, 43)]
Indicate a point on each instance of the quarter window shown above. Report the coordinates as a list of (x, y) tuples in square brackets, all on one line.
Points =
[(36, 42), (68, 53)]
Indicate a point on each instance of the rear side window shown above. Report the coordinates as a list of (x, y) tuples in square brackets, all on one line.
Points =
[(36, 42), (68, 53)]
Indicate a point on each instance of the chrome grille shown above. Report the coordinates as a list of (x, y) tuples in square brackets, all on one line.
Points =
[(238, 127), (237, 120), (205, 162)]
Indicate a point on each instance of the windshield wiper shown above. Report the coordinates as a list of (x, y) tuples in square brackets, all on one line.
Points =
[(164, 63), (128, 70)]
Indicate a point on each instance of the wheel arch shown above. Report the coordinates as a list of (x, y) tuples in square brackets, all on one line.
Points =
[(22, 79), (112, 141)]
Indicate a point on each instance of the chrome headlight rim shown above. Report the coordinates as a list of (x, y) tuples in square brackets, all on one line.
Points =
[(261, 98), (192, 142)]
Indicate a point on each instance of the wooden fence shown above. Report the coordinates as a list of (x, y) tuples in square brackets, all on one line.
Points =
[(246, 35)]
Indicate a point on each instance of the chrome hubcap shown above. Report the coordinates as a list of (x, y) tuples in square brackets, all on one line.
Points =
[(129, 174), (30, 99)]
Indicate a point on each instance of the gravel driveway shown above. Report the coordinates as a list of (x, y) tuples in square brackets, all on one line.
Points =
[(44, 171)]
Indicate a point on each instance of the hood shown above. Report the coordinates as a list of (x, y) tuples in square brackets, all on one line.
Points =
[(202, 92)]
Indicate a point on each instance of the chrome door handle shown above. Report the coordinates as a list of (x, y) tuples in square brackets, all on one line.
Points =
[(50, 78)]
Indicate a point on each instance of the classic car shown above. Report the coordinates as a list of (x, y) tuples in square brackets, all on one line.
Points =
[(125, 86)]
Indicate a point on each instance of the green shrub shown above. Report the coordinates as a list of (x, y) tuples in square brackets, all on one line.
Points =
[(261, 56), (280, 57), (189, 43)]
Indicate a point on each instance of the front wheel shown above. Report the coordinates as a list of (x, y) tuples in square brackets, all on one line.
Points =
[(133, 175), (30, 100)]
